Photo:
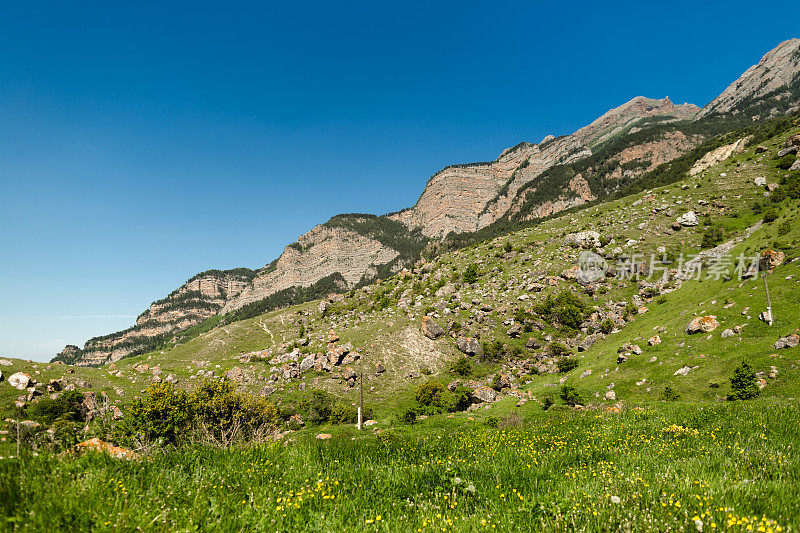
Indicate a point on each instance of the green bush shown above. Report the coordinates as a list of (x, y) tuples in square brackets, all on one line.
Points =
[(407, 416), (214, 411), (566, 308), (569, 395), (471, 274), (344, 414), (429, 393), (164, 414), (712, 236), (785, 162), (770, 215), (784, 228), (669, 395), (68, 406), (462, 367), (557, 349), (743, 383), (607, 326), (317, 406), (565, 364)]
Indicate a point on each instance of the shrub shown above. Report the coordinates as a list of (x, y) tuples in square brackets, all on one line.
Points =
[(462, 367), (429, 393), (67, 406), (770, 215), (785, 162), (492, 350), (669, 395), (712, 236), (547, 403), (784, 228), (743, 383), (565, 364), (557, 349), (471, 274), (344, 414), (461, 399), (407, 416), (164, 414), (569, 395), (566, 308), (318, 406), (607, 326)]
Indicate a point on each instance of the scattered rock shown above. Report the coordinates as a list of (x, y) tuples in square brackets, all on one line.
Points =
[(324, 436), (682, 371), (469, 346), (760, 181), (688, 219), (654, 340), (610, 395), (484, 394), (771, 259), (790, 341), (235, 374), (19, 380), (702, 324), (728, 333), (98, 445), (583, 239), (431, 329)]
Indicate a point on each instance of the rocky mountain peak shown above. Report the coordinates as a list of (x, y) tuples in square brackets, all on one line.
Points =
[(774, 75), (622, 118)]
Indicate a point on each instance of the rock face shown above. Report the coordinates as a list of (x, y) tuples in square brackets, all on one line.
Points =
[(621, 119), (466, 198), (201, 297), (772, 76), (322, 252)]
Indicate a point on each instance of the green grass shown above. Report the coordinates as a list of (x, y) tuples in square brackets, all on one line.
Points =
[(730, 465)]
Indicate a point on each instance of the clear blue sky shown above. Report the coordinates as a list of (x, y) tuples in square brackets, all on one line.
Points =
[(142, 144)]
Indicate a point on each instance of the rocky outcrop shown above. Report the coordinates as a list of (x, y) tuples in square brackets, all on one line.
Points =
[(622, 119), (321, 252), (772, 77), (201, 297), (466, 198)]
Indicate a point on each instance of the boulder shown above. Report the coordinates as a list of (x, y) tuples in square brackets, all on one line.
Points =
[(688, 219), (654, 340), (682, 371), (266, 391), (795, 166), (790, 341), (307, 363), (484, 394), (771, 259), (379, 368), (469, 346), (514, 331), (610, 395), (583, 239), (431, 329), (332, 335), (760, 181), (587, 343), (702, 324), (19, 380), (98, 445), (728, 333)]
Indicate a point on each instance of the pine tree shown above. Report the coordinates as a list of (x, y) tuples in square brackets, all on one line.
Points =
[(743, 383)]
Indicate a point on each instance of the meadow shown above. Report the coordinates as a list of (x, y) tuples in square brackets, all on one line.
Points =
[(729, 466)]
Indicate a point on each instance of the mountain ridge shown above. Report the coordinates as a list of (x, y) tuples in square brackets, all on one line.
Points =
[(464, 198)]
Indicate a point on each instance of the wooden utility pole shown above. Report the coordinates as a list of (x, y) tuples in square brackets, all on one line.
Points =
[(769, 303), (361, 385)]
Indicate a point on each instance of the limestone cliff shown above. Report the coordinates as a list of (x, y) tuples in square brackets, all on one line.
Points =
[(624, 118), (199, 298), (322, 252), (775, 78)]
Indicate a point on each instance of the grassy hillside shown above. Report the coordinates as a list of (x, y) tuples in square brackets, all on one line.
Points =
[(650, 429)]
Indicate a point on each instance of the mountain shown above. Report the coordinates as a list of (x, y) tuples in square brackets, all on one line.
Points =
[(625, 117), (772, 86), (526, 182)]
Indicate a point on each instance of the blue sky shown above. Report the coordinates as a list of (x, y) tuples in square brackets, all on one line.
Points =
[(143, 143)]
